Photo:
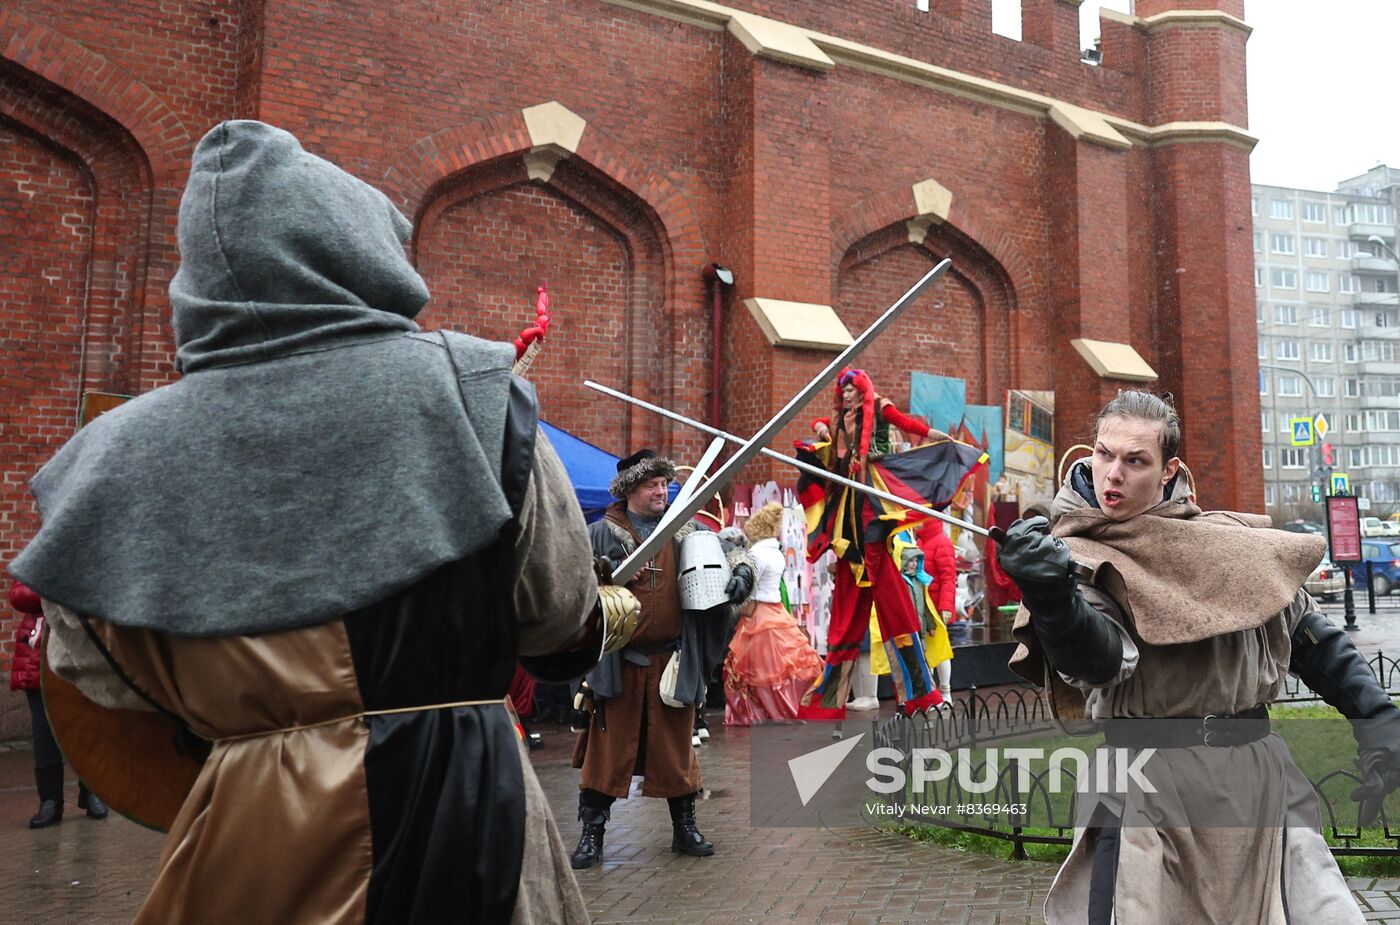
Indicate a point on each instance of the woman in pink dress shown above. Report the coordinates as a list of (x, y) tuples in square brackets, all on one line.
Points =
[(771, 663)]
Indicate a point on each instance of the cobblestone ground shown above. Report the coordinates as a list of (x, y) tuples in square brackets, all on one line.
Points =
[(84, 871)]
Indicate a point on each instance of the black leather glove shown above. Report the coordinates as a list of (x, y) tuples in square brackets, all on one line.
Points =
[(1079, 641), (1031, 556), (740, 584), (1327, 661)]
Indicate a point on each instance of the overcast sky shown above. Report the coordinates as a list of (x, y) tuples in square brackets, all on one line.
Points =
[(1324, 84)]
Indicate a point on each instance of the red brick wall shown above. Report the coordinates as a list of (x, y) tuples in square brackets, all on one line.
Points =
[(694, 151), (46, 216), (605, 289)]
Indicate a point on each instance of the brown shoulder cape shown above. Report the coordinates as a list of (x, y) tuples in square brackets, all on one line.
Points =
[(1179, 574)]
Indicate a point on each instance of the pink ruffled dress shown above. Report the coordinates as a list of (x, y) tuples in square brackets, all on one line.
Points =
[(771, 663)]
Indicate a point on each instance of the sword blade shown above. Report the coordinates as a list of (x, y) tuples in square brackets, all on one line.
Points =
[(697, 476), (648, 549), (817, 471)]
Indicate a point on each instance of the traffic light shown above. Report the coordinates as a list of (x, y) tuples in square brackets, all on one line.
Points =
[(1327, 455), (1317, 492)]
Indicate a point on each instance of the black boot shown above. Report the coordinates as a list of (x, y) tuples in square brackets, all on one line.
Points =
[(91, 802), (49, 781), (594, 810), (685, 837)]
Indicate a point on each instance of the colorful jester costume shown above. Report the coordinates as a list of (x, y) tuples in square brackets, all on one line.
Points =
[(857, 527)]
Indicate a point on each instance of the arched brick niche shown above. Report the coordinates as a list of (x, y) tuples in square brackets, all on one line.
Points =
[(962, 329), (489, 235)]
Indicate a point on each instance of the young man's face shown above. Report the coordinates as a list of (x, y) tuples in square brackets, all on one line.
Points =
[(649, 497), (1129, 472)]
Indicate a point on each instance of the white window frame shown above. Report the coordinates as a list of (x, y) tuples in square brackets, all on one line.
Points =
[(1258, 277), (1319, 311), (1314, 247), (1268, 457), (1286, 348), (1326, 386), (1346, 282), (1320, 351), (1286, 315), (1315, 208), (1345, 250), (1319, 281), (1283, 278), (1348, 319), (1290, 386), (1281, 209), (1292, 457), (1281, 243)]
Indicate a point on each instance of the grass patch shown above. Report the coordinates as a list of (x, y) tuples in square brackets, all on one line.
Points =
[(971, 842), (1319, 739)]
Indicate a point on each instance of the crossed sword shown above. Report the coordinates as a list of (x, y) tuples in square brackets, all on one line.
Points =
[(699, 487)]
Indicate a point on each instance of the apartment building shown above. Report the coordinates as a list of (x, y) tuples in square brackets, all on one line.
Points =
[(1328, 313)]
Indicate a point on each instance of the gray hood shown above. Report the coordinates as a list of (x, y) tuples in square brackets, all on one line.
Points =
[(318, 455), (281, 250)]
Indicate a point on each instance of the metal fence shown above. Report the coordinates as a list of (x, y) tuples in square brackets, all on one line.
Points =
[(987, 716)]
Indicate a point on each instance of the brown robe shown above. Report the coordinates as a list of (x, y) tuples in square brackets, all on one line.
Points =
[(635, 733)]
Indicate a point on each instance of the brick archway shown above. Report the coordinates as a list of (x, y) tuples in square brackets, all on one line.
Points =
[(895, 207), (652, 222), (45, 53), (965, 331), (434, 161)]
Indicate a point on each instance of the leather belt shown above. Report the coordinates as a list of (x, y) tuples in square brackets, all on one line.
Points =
[(1214, 730), (364, 713)]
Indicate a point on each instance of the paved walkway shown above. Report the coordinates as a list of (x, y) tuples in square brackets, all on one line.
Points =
[(84, 871)]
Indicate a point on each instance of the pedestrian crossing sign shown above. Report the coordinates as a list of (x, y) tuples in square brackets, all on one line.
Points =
[(1302, 428), (1341, 483)]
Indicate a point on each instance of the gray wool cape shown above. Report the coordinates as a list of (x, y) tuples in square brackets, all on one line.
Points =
[(254, 495)]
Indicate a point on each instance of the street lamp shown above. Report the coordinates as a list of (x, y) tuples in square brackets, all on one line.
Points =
[(1377, 239)]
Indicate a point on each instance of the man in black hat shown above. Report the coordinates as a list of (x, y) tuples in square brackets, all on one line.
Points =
[(632, 730)]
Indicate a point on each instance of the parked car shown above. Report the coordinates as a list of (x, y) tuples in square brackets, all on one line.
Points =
[(1327, 582), (1302, 526), (1384, 557), (1374, 526)]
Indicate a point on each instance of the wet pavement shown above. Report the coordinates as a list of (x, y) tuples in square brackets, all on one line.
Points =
[(85, 871)]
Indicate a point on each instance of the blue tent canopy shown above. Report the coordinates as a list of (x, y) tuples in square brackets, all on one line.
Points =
[(590, 470)]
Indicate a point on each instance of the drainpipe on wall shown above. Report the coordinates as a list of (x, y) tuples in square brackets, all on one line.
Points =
[(717, 278)]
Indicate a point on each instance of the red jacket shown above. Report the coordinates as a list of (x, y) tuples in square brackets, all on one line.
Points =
[(24, 667), (940, 562)]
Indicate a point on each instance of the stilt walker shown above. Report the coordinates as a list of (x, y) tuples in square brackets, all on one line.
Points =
[(855, 443)]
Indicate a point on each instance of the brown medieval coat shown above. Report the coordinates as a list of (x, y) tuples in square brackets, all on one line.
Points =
[(634, 732)]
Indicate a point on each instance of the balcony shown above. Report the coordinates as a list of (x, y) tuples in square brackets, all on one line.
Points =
[(1376, 299), (1360, 231), (1365, 263)]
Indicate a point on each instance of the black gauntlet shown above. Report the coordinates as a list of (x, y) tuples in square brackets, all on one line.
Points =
[(1326, 661), (1079, 641), (740, 584)]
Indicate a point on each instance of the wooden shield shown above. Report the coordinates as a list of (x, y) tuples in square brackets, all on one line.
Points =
[(142, 764)]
